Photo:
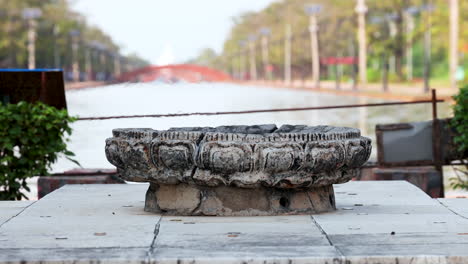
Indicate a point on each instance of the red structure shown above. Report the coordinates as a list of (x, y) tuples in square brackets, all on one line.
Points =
[(175, 73), (338, 60)]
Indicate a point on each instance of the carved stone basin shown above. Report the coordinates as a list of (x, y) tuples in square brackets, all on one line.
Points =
[(239, 170)]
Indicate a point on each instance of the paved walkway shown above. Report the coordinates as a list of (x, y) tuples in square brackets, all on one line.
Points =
[(375, 222), (374, 90)]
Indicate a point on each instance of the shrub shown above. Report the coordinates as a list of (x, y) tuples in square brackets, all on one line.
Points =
[(31, 138), (373, 75), (460, 124)]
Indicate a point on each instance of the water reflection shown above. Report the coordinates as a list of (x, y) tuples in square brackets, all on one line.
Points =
[(88, 137)]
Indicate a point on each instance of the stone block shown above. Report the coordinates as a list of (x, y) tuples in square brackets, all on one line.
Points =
[(185, 199)]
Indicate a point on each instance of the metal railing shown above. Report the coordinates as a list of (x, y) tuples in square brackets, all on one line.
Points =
[(433, 101)]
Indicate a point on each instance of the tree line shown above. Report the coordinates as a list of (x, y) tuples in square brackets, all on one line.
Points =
[(58, 28), (389, 37)]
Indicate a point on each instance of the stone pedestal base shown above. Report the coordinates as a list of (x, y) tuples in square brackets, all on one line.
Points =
[(184, 199)]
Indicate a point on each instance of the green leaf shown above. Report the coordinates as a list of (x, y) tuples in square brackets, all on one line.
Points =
[(69, 153), (38, 132), (74, 161)]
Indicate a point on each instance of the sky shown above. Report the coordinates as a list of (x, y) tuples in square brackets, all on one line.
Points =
[(166, 31)]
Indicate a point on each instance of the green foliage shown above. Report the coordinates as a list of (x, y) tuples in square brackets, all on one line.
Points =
[(337, 34), (373, 75), (53, 30), (207, 57), (460, 119), (460, 124), (31, 138)]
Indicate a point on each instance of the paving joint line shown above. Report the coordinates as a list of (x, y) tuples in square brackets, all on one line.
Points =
[(152, 247), (68, 248), (327, 237), (453, 211), (11, 218), (409, 244)]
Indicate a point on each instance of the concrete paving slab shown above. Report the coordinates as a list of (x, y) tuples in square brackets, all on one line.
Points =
[(359, 208), (9, 209), (75, 255), (458, 206), (286, 236), (428, 253), (392, 197), (382, 208), (385, 224), (295, 224), (289, 219), (279, 239), (275, 254), (382, 193), (82, 216), (399, 239)]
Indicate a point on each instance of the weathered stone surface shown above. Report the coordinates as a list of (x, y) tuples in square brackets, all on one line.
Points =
[(243, 156), (184, 199), (247, 157), (179, 198)]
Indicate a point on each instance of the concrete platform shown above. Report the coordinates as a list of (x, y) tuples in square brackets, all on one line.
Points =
[(10, 209), (376, 222)]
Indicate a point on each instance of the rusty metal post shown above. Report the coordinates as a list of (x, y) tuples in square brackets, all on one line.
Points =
[(436, 142)]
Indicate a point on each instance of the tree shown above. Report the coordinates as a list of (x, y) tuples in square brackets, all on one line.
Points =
[(337, 32), (54, 42)]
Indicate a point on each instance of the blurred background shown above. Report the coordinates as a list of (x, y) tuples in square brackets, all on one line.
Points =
[(401, 35)]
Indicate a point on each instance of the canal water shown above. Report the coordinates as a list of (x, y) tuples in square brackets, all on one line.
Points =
[(87, 140)]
